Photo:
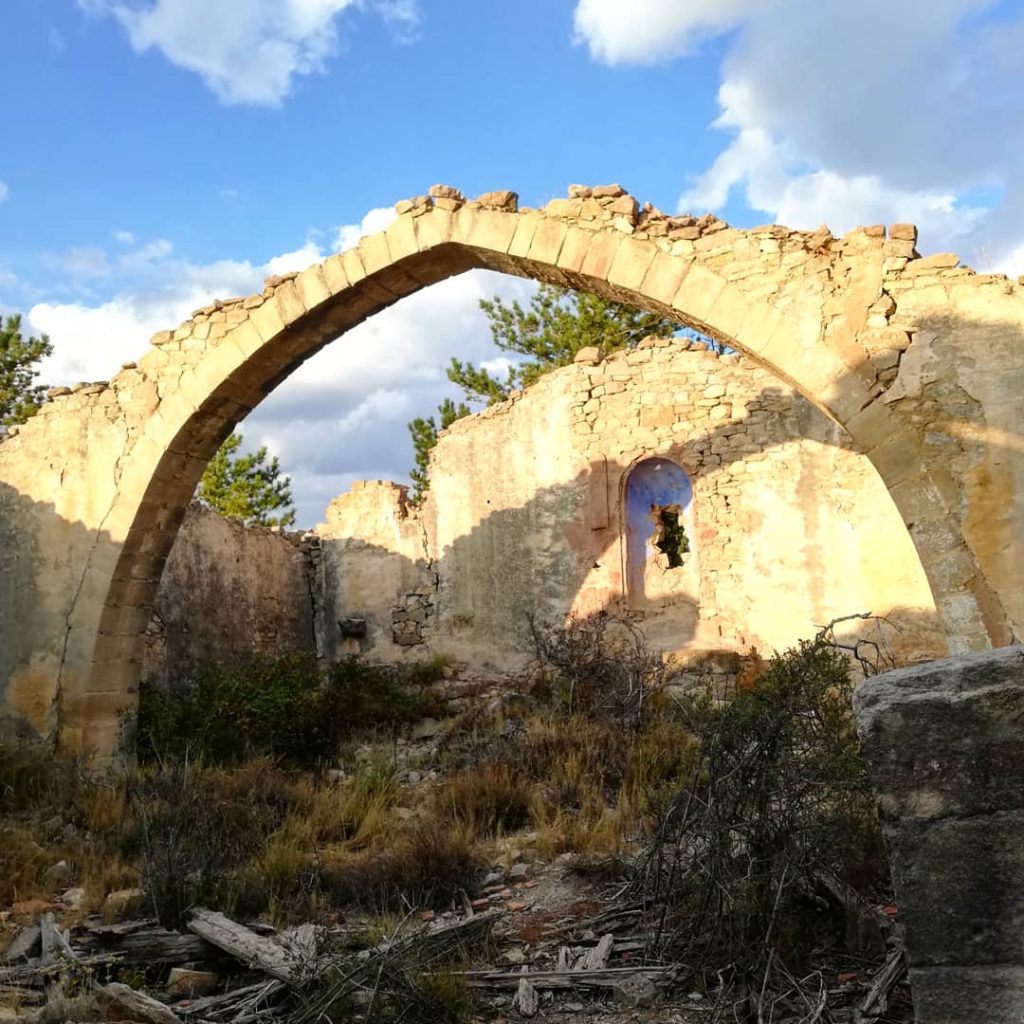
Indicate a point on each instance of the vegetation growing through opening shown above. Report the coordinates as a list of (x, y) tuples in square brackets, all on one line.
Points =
[(672, 539)]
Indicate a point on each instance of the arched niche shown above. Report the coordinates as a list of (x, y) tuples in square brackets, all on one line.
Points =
[(659, 535)]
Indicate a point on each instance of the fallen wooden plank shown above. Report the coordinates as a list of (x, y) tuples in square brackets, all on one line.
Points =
[(135, 1005), (209, 1006), (597, 958), (876, 1001), (526, 1001), (53, 942), (151, 945), (37, 973), (245, 945), (610, 977)]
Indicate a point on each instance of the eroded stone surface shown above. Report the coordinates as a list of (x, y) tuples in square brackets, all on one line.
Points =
[(945, 746)]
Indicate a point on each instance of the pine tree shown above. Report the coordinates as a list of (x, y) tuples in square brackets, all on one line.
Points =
[(424, 436), (247, 487), (20, 397), (556, 325)]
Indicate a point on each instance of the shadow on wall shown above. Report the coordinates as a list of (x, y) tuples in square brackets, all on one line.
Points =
[(958, 380), (39, 549)]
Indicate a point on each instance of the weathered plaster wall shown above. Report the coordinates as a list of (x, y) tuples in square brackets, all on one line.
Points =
[(228, 592), (788, 523), (374, 571)]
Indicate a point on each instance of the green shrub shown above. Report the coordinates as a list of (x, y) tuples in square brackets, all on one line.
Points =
[(281, 707)]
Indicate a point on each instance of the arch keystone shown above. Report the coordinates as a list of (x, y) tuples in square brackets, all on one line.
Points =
[(492, 230)]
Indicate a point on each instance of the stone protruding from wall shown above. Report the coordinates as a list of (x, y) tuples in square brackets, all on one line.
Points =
[(229, 592), (945, 747)]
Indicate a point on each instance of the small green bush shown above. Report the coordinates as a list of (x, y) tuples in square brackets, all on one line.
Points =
[(280, 707)]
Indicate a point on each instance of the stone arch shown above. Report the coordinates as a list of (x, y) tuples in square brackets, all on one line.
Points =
[(804, 305)]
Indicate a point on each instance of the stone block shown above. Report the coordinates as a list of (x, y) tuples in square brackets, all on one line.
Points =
[(574, 249), (547, 240), (374, 251), (947, 738), (600, 254), (632, 261), (945, 750), (401, 237), (526, 225), (433, 228), (493, 230), (664, 276), (968, 995)]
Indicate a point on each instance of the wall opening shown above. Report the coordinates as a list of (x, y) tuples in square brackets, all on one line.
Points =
[(658, 526)]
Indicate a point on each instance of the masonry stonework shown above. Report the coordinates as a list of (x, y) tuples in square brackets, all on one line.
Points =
[(525, 519), (228, 592), (921, 361)]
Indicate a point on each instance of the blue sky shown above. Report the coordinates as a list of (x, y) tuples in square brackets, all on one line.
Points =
[(162, 152)]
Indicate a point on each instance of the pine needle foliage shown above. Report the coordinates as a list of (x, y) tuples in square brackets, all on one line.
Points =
[(20, 396), (247, 487), (549, 332)]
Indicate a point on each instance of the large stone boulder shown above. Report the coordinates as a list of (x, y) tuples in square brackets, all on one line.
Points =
[(944, 743)]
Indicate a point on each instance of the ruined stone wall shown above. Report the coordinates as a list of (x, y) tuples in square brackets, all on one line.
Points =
[(524, 517), (229, 592), (919, 360), (960, 381)]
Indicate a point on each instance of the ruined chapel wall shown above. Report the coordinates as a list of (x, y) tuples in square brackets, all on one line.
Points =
[(523, 514), (229, 592), (961, 381)]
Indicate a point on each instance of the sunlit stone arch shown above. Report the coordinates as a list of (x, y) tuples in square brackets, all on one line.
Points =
[(108, 470)]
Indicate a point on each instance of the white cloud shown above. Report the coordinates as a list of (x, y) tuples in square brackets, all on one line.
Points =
[(645, 31), (376, 220), (847, 113), (246, 51), (5, 192), (341, 415), (124, 237)]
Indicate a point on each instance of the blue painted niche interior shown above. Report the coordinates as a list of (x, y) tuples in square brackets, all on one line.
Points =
[(653, 485)]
